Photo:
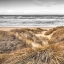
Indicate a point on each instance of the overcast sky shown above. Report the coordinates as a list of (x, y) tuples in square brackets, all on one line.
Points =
[(31, 6)]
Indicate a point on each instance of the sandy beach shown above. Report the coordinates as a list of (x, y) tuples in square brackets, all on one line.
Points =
[(10, 28)]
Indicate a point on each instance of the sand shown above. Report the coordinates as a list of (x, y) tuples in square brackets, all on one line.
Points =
[(10, 28)]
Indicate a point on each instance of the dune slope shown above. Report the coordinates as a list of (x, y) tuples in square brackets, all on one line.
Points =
[(32, 46)]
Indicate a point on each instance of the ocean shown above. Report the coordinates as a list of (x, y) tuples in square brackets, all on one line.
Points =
[(31, 20)]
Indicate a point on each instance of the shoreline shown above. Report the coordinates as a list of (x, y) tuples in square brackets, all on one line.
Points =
[(10, 28)]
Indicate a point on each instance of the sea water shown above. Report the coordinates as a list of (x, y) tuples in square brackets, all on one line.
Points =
[(31, 21)]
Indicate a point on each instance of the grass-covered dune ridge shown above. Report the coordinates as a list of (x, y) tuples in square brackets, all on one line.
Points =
[(32, 46)]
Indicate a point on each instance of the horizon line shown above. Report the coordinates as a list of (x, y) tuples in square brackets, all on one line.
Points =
[(31, 14)]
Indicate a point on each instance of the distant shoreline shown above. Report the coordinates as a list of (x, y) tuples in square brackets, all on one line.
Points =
[(10, 28)]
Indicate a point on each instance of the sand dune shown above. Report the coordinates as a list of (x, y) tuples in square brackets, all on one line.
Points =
[(32, 46)]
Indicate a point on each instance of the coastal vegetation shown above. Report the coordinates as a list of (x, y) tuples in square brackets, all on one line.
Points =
[(32, 46)]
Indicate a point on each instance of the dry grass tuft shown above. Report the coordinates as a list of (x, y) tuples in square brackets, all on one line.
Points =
[(41, 55), (53, 29), (57, 36)]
